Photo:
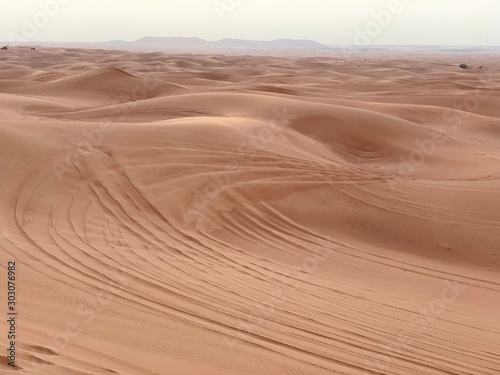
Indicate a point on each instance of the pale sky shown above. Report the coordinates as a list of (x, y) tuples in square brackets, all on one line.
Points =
[(410, 22)]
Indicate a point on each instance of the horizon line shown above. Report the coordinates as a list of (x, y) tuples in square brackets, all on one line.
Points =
[(249, 40)]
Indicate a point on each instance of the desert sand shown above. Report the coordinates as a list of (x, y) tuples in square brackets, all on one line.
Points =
[(217, 214)]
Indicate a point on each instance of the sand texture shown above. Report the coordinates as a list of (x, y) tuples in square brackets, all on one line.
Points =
[(216, 214)]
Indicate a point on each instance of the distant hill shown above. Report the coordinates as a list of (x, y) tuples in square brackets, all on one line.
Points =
[(198, 43), (173, 42), (273, 44)]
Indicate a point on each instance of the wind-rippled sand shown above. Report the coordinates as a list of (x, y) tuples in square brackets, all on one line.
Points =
[(197, 214)]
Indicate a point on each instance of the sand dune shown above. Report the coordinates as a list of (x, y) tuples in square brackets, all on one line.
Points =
[(195, 214)]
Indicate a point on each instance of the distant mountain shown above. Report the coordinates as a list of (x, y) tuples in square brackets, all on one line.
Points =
[(160, 43), (176, 42), (273, 44)]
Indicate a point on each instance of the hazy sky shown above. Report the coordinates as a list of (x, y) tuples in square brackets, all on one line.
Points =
[(431, 22)]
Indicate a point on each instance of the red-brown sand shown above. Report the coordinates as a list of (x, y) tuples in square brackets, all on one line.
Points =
[(198, 214)]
